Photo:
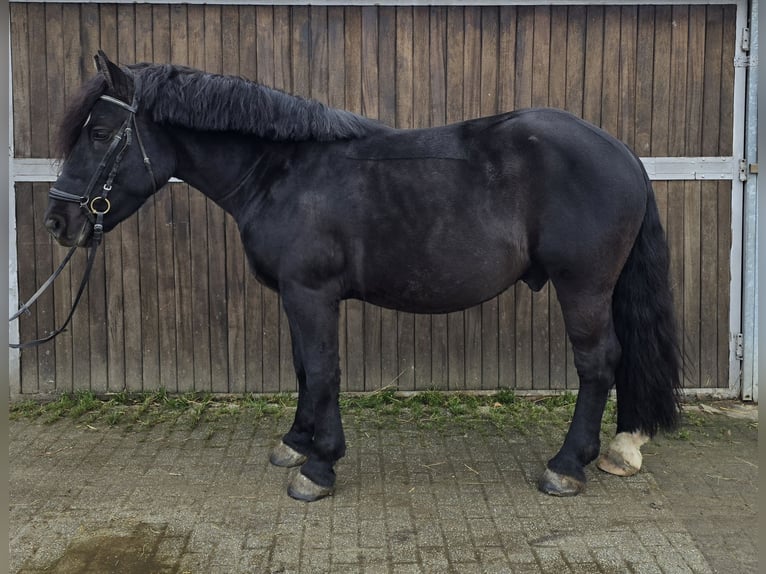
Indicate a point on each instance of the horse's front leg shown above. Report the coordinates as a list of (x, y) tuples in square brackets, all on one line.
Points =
[(295, 446), (313, 318)]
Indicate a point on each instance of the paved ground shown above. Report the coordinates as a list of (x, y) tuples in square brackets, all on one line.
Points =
[(202, 501)]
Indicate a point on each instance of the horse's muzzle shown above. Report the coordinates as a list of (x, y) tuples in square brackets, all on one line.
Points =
[(57, 226)]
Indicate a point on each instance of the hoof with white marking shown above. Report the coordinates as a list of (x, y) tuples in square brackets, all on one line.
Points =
[(557, 484), (303, 488), (623, 458), (285, 456)]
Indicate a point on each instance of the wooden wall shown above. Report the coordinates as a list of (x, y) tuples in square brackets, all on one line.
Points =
[(171, 303)]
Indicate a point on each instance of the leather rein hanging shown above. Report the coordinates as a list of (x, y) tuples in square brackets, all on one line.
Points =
[(95, 207)]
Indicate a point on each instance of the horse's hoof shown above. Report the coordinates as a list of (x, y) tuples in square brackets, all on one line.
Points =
[(623, 458), (557, 484), (613, 463), (285, 456), (303, 488)]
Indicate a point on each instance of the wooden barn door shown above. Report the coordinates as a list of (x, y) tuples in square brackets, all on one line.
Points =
[(171, 303)]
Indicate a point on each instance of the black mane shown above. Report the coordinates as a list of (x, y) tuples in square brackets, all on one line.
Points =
[(181, 96), (198, 100)]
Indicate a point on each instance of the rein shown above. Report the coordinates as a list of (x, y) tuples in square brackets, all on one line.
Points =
[(95, 208)]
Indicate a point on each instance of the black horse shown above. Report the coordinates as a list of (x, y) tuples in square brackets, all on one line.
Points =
[(331, 206)]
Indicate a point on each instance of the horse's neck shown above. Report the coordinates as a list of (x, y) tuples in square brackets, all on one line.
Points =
[(215, 163)]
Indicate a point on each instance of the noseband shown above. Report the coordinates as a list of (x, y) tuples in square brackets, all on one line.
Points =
[(95, 207)]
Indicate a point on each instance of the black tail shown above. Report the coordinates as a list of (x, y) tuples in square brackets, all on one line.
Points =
[(648, 375)]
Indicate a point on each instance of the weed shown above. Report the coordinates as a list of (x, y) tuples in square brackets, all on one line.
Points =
[(429, 409)]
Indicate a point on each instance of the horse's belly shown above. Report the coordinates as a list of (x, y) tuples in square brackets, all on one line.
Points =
[(421, 288)]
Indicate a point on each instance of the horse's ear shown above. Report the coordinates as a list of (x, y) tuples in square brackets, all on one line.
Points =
[(117, 80)]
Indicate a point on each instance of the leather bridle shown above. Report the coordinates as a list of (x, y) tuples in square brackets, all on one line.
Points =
[(95, 207)]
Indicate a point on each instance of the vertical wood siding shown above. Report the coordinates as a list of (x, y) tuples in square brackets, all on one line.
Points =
[(171, 302)]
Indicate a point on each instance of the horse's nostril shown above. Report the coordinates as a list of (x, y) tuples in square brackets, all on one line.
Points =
[(55, 225)]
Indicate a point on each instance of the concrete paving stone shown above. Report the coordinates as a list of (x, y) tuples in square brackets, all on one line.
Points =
[(461, 553), (406, 568), (381, 568), (428, 533), (206, 500)]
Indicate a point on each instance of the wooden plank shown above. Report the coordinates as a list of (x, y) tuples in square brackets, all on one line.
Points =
[(200, 273), (421, 109), (438, 113), (708, 319), (38, 147), (282, 80), (372, 321), (576, 26), (723, 280), (59, 352), (472, 109), (247, 42), (626, 129), (489, 106), (389, 351), (182, 261), (610, 83), (25, 251), (47, 252), (271, 308), (235, 258), (454, 112), (163, 205), (147, 238), (661, 105), (506, 301), (349, 40), (557, 98), (711, 102), (541, 351), (522, 294), (692, 278), (105, 20), (46, 358), (695, 74), (20, 70), (711, 136), (216, 233), (128, 265), (594, 64), (575, 90), (405, 325), (94, 321), (62, 291), (282, 54), (644, 60)]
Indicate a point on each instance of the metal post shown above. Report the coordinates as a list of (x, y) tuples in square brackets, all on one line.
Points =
[(14, 370), (753, 256)]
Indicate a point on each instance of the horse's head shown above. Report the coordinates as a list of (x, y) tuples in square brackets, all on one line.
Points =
[(115, 158)]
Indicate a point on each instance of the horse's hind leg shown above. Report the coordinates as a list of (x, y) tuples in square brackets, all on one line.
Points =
[(588, 319)]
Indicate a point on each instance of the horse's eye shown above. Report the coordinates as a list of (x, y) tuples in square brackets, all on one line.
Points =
[(100, 134)]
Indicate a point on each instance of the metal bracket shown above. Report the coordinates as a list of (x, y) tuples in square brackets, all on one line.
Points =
[(743, 170), (745, 40), (739, 346), (741, 61)]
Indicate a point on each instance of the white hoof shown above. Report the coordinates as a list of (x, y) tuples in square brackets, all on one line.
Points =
[(623, 457)]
